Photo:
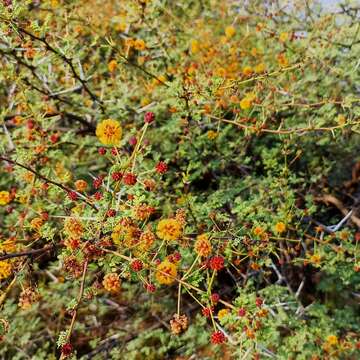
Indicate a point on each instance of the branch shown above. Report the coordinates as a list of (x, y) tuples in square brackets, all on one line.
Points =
[(81, 293), (67, 60), (61, 186), (26, 253)]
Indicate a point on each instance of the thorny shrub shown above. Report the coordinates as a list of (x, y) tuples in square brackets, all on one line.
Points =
[(179, 179)]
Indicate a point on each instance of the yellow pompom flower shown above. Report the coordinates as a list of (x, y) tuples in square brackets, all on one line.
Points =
[(8, 245), (147, 238), (112, 282), (230, 31), (166, 273), (80, 185), (202, 245), (73, 227), (245, 103), (247, 71), (280, 227), (315, 259), (169, 229), (282, 60), (5, 269), (260, 68), (112, 65), (36, 223), (194, 46), (222, 313), (284, 36), (332, 340), (4, 198), (211, 134), (139, 44), (109, 132)]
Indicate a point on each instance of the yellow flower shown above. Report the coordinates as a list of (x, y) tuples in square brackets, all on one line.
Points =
[(230, 31), (260, 68), (121, 26), (36, 223), (284, 36), (280, 227), (169, 229), (129, 42), (4, 198), (222, 313), (254, 51), (258, 231), (73, 227), (166, 272), (247, 71), (341, 119), (194, 46), (112, 65), (8, 245), (202, 245), (220, 72), (212, 134), (315, 259), (147, 238), (245, 103), (282, 60), (109, 132), (5, 269), (332, 340), (126, 234), (139, 44), (112, 282)]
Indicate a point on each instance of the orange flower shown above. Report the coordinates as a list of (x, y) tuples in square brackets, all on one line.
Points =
[(147, 238), (169, 229), (139, 44), (80, 185), (112, 282), (282, 60), (112, 65), (73, 227), (166, 272), (202, 245)]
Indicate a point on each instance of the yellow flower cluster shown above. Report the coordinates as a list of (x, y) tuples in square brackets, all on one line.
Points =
[(126, 234), (247, 101), (73, 227), (5, 269), (4, 198), (280, 227), (166, 272), (202, 245), (169, 229), (111, 282), (222, 313)]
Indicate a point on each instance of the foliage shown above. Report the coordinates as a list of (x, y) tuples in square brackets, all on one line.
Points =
[(179, 179)]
